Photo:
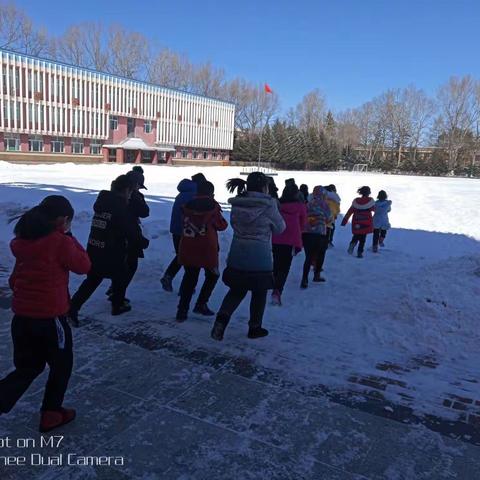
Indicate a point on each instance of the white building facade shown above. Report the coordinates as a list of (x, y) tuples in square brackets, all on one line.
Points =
[(61, 111)]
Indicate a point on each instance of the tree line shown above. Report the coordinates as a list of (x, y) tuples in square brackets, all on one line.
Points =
[(389, 132)]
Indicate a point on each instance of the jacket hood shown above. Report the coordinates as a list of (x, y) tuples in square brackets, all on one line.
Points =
[(201, 205), (105, 199), (334, 196), (251, 206), (319, 191), (384, 202), (187, 186), (363, 203)]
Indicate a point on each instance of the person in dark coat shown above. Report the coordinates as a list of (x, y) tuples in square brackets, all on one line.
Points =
[(137, 209), (45, 252), (112, 231), (202, 219), (187, 190)]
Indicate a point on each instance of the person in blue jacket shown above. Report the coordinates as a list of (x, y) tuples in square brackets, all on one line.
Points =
[(381, 223), (187, 190)]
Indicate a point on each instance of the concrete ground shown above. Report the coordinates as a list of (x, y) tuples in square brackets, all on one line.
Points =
[(171, 413)]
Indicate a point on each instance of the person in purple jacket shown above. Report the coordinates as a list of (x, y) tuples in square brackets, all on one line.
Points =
[(187, 190)]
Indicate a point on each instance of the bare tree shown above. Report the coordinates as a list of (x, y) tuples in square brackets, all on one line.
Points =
[(18, 33), (169, 69), (310, 112), (208, 80), (129, 53), (458, 106)]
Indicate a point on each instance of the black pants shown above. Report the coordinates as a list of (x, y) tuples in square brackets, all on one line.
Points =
[(331, 232), (377, 234), (359, 238), (174, 266), (234, 298), (92, 282), (315, 249), (189, 282), (282, 261), (37, 342)]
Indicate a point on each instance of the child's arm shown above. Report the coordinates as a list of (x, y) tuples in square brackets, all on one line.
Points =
[(74, 257), (347, 216), (220, 224)]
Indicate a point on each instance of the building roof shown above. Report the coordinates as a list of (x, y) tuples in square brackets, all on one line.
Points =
[(106, 74), (134, 143)]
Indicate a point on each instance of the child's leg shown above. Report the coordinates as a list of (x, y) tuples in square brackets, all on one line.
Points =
[(309, 247), (322, 246), (376, 236), (332, 232), (383, 234), (59, 350), (282, 259), (189, 282), (257, 308), (29, 361), (211, 279), (361, 243), (85, 291)]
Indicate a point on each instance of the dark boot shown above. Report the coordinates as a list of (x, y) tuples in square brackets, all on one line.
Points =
[(53, 419), (120, 309), (182, 314), (72, 318), (202, 309), (304, 283), (166, 282), (257, 332), (318, 278), (351, 248), (219, 327)]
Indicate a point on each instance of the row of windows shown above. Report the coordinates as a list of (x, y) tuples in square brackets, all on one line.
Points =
[(147, 124), (196, 154), (36, 144)]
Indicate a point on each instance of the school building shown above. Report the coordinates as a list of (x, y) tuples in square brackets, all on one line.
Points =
[(50, 111)]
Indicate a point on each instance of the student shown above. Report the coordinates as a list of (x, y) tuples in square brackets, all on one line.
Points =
[(315, 237), (202, 219), (381, 222), (288, 243), (45, 253), (137, 209), (113, 231), (254, 218), (304, 192), (362, 224), (333, 201), (187, 190)]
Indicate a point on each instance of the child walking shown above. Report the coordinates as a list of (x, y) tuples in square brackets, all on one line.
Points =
[(315, 236), (381, 223), (333, 201), (288, 243), (202, 219), (362, 224), (254, 218), (45, 253)]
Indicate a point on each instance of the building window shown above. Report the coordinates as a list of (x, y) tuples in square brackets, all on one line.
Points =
[(146, 156), (35, 143), (161, 157), (222, 156), (58, 145), (147, 126), (178, 154), (195, 154), (113, 123), (214, 154), (205, 155), (11, 142), (95, 147), (184, 153), (77, 146)]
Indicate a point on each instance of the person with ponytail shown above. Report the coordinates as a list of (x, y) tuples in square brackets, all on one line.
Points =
[(45, 252), (362, 224), (254, 218)]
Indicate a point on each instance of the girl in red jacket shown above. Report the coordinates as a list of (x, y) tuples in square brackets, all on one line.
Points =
[(202, 219), (45, 253), (362, 224)]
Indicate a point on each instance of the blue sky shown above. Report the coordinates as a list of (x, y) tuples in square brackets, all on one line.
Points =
[(352, 50)]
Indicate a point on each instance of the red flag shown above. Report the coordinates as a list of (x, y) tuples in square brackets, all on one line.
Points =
[(267, 88)]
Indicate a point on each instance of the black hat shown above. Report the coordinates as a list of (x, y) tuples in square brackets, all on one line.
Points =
[(136, 176), (198, 178)]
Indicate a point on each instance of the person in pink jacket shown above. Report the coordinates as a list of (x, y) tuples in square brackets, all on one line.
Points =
[(288, 243)]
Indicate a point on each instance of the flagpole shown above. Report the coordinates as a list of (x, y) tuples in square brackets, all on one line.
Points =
[(260, 148)]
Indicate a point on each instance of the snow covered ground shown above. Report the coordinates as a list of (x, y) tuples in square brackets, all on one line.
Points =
[(403, 322)]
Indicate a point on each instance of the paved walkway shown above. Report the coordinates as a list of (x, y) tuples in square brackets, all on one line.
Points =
[(174, 413)]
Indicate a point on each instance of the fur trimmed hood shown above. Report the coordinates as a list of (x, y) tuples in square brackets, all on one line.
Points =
[(363, 203)]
